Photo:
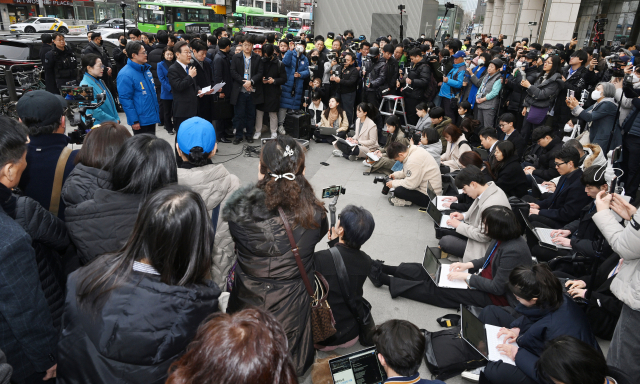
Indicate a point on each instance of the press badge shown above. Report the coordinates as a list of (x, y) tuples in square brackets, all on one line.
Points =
[(246, 76)]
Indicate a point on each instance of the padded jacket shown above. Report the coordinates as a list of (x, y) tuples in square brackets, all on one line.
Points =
[(546, 167), (137, 94), (511, 178), (142, 328), (294, 64), (82, 183), (107, 111), (420, 76), (567, 201), (543, 93)]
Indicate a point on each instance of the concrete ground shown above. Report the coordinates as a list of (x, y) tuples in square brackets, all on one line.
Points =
[(401, 233)]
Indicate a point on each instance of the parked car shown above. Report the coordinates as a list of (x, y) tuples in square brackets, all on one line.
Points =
[(40, 24), (260, 31), (110, 34), (112, 23)]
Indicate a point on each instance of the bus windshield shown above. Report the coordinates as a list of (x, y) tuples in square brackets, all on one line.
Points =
[(295, 22)]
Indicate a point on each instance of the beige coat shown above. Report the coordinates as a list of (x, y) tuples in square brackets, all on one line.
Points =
[(214, 184), (367, 137), (343, 122), (472, 227), (451, 157), (418, 169)]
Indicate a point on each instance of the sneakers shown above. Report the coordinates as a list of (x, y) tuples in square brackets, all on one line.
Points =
[(257, 135), (396, 202), (281, 130), (237, 141), (366, 163), (274, 135), (374, 273), (473, 374), (353, 158), (337, 153)]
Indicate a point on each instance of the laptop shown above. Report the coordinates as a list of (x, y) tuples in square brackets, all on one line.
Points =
[(437, 216), (361, 367), (329, 131), (543, 235), (482, 337), (438, 272), (433, 197)]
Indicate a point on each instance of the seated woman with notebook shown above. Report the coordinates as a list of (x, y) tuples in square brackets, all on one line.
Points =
[(487, 286), (545, 313), (384, 163), (365, 138), (332, 117)]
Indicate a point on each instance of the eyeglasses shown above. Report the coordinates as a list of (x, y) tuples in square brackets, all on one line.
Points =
[(144, 52), (559, 164)]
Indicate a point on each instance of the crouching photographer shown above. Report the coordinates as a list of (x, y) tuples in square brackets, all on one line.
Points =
[(419, 168)]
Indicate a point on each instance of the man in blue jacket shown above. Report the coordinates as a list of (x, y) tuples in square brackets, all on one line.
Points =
[(297, 66), (452, 84), (137, 91)]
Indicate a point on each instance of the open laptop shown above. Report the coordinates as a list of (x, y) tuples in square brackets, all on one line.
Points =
[(361, 367), (433, 197), (438, 272), (482, 337), (329, 131), (543, 235), (437, 216)]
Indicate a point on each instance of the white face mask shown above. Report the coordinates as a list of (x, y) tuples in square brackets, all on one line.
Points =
[(300, 49), (519, 64), (595, 95), (635, 78), (568, 128), (481, 62)]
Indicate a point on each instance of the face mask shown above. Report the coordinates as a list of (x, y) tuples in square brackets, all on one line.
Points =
[(300, 49), (480, 62), (635, 78), (568, 128), (595, 95), (519, 64)]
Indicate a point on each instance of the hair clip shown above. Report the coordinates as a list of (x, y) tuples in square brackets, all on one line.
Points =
[(287, 152), (288, 176)]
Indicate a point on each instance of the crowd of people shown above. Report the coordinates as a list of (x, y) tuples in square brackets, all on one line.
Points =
[(133, 259)]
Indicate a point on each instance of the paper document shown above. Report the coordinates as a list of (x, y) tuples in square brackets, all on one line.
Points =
[(218, 87), (444, 282), (493, 341), (543, 188), (373, 156), (205, 89)]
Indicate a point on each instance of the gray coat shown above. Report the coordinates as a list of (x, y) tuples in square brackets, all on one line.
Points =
[(543, 93)]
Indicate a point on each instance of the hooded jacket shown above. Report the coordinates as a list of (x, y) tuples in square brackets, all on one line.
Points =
[(454, 85), (267, 275), (143, 327), (420, 75), (137, 94), (293, 64)]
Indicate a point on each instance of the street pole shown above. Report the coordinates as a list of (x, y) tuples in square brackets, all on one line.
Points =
[(401, 7)]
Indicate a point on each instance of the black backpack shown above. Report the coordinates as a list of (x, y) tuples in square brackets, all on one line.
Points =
[(447, 354)]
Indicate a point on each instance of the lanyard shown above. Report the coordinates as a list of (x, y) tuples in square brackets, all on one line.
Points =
[(247, 63), (488, 258)]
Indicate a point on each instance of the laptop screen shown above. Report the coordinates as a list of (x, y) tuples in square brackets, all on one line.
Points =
[(528, 224), (430, 192), (431, 264), (436, 215), (361, 367), (472, 330)]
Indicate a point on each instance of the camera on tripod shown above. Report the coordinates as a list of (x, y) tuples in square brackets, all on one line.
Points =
[(80, 100), (333, 191), (449, 5), (384, 180)]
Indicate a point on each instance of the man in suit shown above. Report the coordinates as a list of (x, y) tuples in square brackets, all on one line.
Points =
[(506, 123), (222, 73), (183, 85), (246, 71), (203, 79), (489, 139)]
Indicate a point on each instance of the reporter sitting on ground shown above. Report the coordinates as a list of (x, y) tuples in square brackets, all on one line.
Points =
[(352, 230), (92, 70), (509, 133), (91, 172), (590, 154), (506, 171), (144, 164), (333, 117), (600, 117), (401, 347), (546, 313), (255, 351), (471, 129), (568, 360), (365, 138), (394, 133), (468, 240), (196, 145), (539, 161), (462, 202), (457, 144), (489, 283), (439, 121), (567, 201), (581, 235), (418, 169), (430, 142), (424, 121)]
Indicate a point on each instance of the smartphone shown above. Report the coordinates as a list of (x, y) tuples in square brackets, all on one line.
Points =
[(571, 93), (612, 189), (423, 210), (323, 163), (575, 35)]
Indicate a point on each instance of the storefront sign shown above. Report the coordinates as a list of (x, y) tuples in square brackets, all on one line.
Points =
[(197, 28), (46, 2)]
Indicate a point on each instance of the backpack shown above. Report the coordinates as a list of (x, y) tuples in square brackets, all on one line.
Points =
[(447, 354)]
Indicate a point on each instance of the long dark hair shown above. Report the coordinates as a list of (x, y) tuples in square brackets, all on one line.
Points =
[(338, 108), (143, 164), (295, 197), (508, 150), (394, 121), (555, 67), (173, 233), (537, 282), (101, 144)]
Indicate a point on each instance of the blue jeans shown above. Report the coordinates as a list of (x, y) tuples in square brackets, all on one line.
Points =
[(245, 115)]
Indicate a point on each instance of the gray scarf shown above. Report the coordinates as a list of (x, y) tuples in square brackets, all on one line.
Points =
[(100, 49)]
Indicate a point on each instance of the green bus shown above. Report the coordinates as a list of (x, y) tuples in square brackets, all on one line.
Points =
[(256, 17), (179, 17)]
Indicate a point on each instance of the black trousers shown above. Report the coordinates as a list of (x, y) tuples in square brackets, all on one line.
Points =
[(449, 110), (412, 195), (410, 105), (167, 111), (151, 129), (348, 101), (412, 282), (630, 164), (348, 150), (161, 105), (542, 253)]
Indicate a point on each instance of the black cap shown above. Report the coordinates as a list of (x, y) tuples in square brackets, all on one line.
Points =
[(374, 51), (330, 35), (498, 63), (41, 108), (533, 55)]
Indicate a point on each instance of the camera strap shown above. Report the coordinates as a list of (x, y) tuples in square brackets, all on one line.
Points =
[(54, 205)]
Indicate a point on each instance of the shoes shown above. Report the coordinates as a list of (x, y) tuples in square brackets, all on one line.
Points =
[(171, 132), (257, 135), (337, 153), (473, 374), (274, 135), (366, 163), (396, 202), (237, 141), (249, 140), (224, 140), (353, 158), (161, 124), (281, 130), (374, 273)]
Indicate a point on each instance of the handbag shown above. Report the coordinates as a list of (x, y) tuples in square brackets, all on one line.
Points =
[(362, 314), (322, 321), (447, 354), (537, 115), (222, 108)]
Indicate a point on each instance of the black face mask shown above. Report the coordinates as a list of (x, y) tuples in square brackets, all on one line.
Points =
[(314, 58)]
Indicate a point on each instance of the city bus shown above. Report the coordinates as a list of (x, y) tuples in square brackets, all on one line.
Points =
[(180, 17), (256, 17), (299, 22)]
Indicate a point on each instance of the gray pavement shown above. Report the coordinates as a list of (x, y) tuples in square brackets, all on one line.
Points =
[(401, 233)]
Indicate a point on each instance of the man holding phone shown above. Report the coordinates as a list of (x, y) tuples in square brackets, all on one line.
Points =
[(576, 78)]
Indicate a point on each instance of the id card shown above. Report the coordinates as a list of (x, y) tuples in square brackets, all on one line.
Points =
[(246, 76)]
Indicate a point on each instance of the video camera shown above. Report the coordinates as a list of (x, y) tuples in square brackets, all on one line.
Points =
[(80, 100), (615, 63), (384, 180), (333, 191)]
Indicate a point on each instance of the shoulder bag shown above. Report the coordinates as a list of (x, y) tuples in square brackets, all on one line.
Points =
[(322, 321), (363, 316), (58, 179)]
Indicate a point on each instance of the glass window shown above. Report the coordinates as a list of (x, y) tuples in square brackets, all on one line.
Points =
[(274, 7), (260, 4), (268, 7)]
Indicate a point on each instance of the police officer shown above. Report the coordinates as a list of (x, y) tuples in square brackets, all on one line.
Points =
[(63, 62), (374, 75)]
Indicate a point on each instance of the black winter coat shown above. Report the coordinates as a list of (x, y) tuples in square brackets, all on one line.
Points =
[(221, 73), (566, 203), (511, 178), (517, 92), (237, 74), (585, 235), (392, 69), (358, 265), (104, 55), (376, 75), (82, 183), (546, 167), (153, 59), (518, 142), (63, 63), (120, 58), (276, 70), (420, 75), (144, 326), (102, 224), (204, 79), (349, 80), (578, 82), (267, 275), (49, 74)]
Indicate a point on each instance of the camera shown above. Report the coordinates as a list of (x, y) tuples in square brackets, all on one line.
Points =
[(433, 58), (627, 80), (331, 56), (449, 5), (313, 67), (333, 191), (79, 99), (384, 180)]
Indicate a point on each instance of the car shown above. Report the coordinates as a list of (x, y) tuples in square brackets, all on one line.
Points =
[(260, 31), (110, 34), (112, 23), (40, 24)]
